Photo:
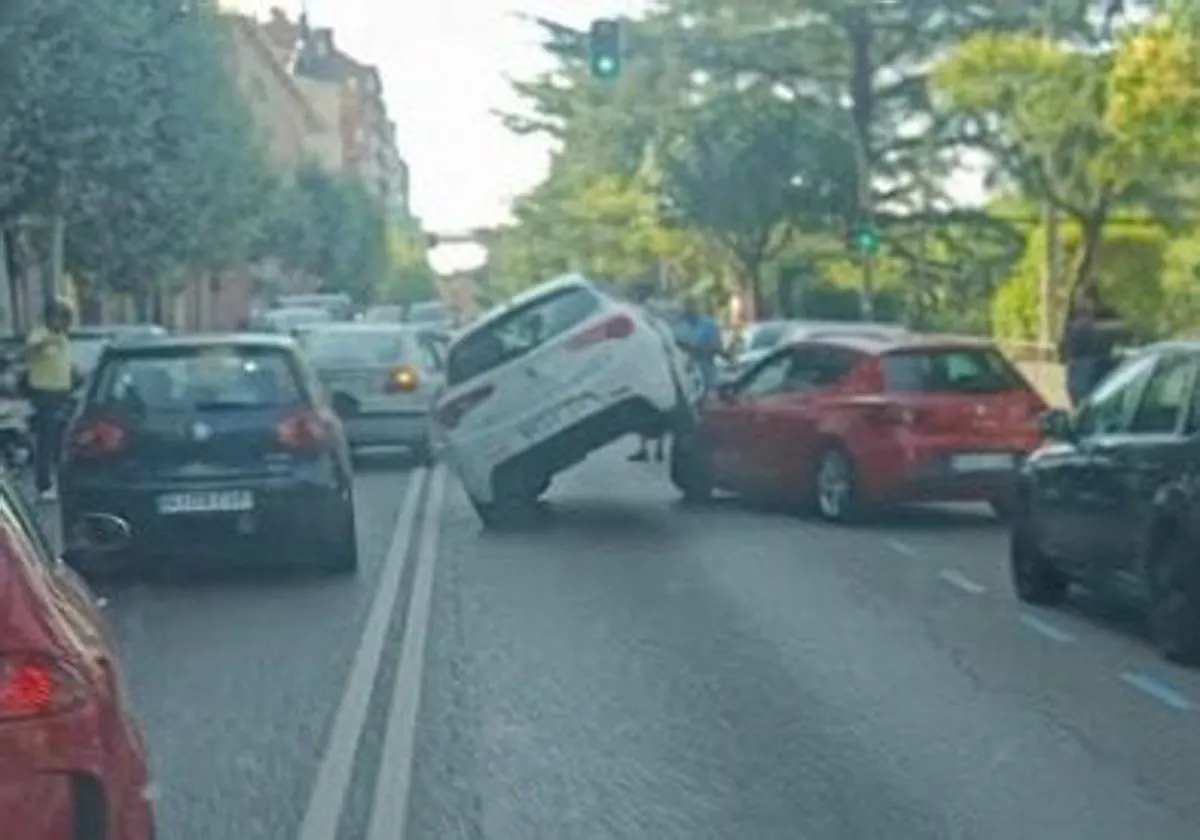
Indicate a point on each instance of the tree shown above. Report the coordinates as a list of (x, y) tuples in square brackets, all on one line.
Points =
[(751, 168)]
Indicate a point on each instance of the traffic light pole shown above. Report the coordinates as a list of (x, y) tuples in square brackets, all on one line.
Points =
[(866, 212)]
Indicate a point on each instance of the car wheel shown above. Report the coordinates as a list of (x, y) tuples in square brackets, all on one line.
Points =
[(502, 515), (1035, 578), (835, 487), (691, 469), (1175, 601)]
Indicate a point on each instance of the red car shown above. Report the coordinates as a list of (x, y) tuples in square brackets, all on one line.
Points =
[(72, 759), (849, 421)]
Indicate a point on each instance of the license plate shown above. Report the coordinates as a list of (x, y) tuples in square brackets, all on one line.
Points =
[(216, 501), (982, 462)]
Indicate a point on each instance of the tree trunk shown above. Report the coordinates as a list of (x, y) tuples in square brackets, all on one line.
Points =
[(1086, 264)]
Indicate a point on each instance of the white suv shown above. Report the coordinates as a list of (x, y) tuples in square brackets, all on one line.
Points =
[(554, 374)]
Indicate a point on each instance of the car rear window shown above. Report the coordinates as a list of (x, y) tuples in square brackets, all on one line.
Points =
[(518, 332), (765, 336), (360, 348), (964, 370), (198, 379)]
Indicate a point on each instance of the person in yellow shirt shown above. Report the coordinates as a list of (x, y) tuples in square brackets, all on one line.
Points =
[(50, 380)]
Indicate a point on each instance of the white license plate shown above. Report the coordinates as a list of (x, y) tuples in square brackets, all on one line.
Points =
[(215, 501), (982, 462)]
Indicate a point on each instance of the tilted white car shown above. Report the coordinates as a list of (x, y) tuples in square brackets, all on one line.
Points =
[(554, 374)]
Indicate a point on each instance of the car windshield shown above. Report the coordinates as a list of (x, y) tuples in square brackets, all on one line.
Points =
[(764, 336), (520, 331), (188, 379), (85, 352), (355, 348), (966, 370)]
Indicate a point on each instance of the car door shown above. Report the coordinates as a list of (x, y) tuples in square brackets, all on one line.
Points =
[(785, 423), (730, 426), (1122, 470), (1064, 501)]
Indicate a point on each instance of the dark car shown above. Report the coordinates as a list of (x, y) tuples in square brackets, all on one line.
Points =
[(1113, 500), (213, 447)]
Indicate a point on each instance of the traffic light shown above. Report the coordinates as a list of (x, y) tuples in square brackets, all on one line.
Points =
[(864, 239), (604, 49)]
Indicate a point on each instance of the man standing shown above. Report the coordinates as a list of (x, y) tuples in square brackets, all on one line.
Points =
[(48, 354), (700, 336), (1088, 344)]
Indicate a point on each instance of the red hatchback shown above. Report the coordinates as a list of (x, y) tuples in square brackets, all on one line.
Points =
[(850, 421), (72, 759)]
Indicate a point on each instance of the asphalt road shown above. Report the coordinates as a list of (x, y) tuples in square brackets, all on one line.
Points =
[(633, 669)]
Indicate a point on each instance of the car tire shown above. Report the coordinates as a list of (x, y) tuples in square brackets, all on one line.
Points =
[(835, 492), (1035, 579), (1174, 614), (691, 469), (503, 515)]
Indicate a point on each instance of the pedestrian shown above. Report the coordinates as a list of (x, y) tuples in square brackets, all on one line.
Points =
[(643, 294), (699, 335), (49, 382), (1089, 343)]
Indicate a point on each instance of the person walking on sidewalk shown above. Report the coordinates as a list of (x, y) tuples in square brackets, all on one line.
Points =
[(49, 385)]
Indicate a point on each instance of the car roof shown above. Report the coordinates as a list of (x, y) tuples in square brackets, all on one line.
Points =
[(563, 281), (200, 342), (878, 343), (363, 327)]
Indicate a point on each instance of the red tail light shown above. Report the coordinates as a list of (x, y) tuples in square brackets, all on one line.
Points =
[(619, 326), (451, 413), (306, 431), (36, 686), (97, 437)]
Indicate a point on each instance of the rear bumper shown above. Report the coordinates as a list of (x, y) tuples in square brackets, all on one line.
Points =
[(931, 476), (289, 521), (410, 428)]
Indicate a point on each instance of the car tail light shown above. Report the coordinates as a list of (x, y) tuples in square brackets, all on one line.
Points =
[(451, 413), (402, 380), (305, 431), (97, 437), (33, 686), (619, 326)]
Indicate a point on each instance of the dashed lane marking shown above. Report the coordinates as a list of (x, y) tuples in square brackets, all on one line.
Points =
[(900, 547), (328, 797), (1045, 628), (961, 582), (1162, 692)]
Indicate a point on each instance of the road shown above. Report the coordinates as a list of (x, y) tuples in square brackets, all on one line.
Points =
[(634, 669)]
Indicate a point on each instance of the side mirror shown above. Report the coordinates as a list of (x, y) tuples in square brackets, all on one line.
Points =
[(98, 533), (1057, 424), (344, 405)]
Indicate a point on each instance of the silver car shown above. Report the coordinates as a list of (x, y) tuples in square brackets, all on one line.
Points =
[(381, 378)]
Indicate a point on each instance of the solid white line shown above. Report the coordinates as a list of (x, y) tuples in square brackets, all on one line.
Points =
[(900, 548), (960, 581), (389, 812), (329, 791)]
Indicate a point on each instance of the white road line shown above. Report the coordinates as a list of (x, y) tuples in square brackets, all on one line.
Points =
[(1159, 690), (389, 812), (1045, 628), (960, 581), (900, 548), (332, 783)]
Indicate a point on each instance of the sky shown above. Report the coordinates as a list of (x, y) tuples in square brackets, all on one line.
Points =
[(445, 66)]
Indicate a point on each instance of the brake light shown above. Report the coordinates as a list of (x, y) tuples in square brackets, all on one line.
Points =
[(97, 437), (402, 380), (305, 431), (451, 413), (32, 686), (619, 326)]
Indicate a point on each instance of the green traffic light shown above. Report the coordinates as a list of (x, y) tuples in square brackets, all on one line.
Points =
[(604, 49), (866, 240)]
